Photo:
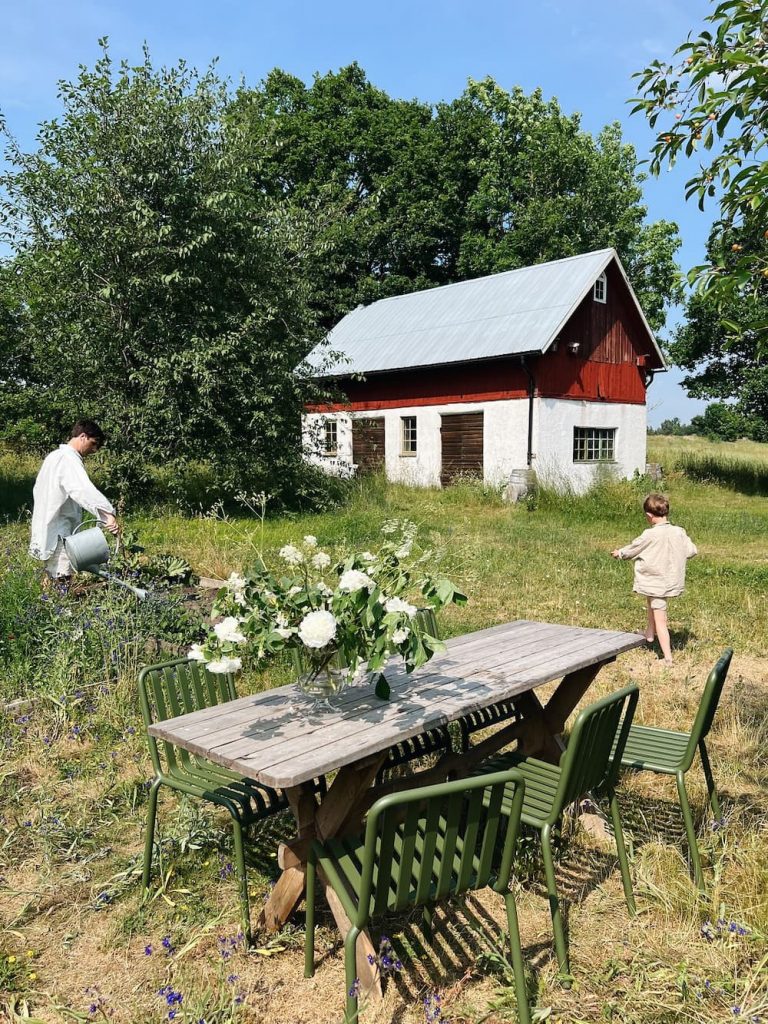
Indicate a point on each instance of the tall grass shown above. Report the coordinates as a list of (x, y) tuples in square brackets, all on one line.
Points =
[(736, 474)]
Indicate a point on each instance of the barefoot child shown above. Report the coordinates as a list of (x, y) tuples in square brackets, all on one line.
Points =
[(660, 554)]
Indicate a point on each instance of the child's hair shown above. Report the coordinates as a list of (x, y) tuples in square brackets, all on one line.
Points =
[(656, 504)]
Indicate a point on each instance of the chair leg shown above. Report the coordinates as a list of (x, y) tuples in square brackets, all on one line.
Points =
[(690, 831), (621, 850), (518, 967), (351, 1004), (714, 803), (242, 879), (561, 944), (149, 841), (309, 928)]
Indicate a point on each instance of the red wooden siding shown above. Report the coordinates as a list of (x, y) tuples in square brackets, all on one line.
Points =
[(613, 342)]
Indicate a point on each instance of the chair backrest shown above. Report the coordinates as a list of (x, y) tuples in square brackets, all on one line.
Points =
[(484, 718), (435, 841), (434, 741), (702, 723), (174, 688), (587, 764)]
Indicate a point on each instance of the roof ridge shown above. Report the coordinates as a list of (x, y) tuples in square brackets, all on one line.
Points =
[(485, 277)]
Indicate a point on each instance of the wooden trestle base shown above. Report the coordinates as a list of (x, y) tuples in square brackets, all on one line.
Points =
[(342, 810)]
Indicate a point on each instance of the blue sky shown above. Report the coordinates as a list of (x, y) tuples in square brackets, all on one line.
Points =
[(580, 51)]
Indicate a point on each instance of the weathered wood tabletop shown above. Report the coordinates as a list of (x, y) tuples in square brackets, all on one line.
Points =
[(275, 739)]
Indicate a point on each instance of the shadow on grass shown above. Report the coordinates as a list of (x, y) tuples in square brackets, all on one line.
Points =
[(15, 492), (738, 475)]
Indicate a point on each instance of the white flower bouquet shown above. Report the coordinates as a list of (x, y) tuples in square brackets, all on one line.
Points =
[(350, 615)]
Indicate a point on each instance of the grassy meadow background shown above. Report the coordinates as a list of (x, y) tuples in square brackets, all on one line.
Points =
[(78, 942)]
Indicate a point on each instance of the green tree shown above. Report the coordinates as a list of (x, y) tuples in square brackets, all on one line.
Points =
[(711, 104), (407, 196), (156, 287), (721, 363)]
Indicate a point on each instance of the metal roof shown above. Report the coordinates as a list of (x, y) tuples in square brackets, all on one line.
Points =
[(510, 313)]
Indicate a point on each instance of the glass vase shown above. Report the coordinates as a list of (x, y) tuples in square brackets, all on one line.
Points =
[(318, 684)]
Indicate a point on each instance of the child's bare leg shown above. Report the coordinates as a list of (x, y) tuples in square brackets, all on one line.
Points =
[(662, 632), (650, 629)]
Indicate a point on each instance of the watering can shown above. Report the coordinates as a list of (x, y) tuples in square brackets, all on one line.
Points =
[(89, 552)]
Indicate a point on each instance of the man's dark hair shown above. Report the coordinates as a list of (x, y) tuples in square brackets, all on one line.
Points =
[(91, 429)]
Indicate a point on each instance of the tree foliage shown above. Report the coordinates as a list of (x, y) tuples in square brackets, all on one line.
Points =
[(415, 196), (711, 104), (154, 285)]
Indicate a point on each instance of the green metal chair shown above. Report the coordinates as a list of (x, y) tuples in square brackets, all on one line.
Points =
[(419, 847), (589, 764), (175, 688), (484, 718), (666, 752)]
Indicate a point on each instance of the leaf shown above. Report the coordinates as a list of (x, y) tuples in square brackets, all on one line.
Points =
[(269, 950), (382, 689)]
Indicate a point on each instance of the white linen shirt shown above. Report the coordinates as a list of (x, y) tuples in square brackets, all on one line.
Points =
[(660, 554), (62, 490)]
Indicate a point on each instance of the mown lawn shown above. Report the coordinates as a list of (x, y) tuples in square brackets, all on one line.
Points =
[(74, 770)]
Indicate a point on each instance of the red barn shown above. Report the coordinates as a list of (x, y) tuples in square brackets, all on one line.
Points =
[(542, 368)]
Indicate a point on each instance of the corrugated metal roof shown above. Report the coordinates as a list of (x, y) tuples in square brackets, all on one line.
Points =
[(510, 313)]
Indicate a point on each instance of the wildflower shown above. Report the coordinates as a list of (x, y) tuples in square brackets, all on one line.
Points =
[(310, 541), (10, 959), (355, 989), (367, 556), (400, 635), (707, 931), (317, 629), (32, 976), (167, 944), (227, 630), (321, 560), (232, 978), (291, 555), (147, 951), (31, 953), (195, 653), (353, 580)]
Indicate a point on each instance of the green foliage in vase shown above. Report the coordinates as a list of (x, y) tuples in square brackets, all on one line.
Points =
[(356, 611)]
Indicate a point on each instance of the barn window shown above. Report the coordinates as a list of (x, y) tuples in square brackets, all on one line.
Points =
[(331, 446), (601, 288), (408, 435), (594, 444)]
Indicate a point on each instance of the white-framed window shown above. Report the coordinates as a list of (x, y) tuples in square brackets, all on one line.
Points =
[(331, 438), (407, 435), (594, 444), (601, 288)]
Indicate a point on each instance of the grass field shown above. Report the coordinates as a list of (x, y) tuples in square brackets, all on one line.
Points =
[(74, 930)]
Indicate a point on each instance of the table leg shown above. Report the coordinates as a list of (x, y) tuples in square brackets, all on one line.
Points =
[(543, 724), (367, 970), (289, 888)]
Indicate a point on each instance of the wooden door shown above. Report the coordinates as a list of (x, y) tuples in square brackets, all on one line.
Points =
[(368, 444), (461, 436)]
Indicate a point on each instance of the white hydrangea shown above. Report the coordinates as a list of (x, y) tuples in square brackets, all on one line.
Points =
[(317, 629), (228, 630), (224, 665), (284, 631), (368, 556), (401, 635), (291, 555), (353, 580), (324, 589), (396, 604), (196, 653), (310, 541), (321, 560), (404, 551)]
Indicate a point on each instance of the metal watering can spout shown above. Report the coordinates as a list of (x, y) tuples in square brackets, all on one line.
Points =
[(89, 552)]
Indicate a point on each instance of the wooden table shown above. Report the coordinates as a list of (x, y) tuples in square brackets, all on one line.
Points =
[(272, 738)]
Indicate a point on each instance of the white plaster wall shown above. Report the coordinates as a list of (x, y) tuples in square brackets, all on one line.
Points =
[(313, 441), (555, 419), (505, 440)]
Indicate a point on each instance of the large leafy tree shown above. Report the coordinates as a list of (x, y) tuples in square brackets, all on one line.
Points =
[(406, 196), (154, 285), (710, 104)]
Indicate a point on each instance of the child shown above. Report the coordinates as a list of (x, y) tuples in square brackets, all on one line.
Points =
[(660, 554)]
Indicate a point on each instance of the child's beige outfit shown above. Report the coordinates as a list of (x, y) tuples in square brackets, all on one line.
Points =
[(660, 554)]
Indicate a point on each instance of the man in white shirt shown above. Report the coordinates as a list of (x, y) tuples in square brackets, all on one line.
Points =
[(62, 490)]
